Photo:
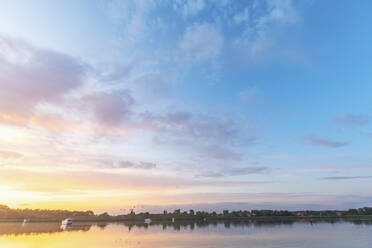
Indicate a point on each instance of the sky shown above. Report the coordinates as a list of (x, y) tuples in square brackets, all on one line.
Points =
[(109, 105)]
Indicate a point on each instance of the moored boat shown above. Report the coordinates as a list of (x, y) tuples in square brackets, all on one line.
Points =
[(67, 222)]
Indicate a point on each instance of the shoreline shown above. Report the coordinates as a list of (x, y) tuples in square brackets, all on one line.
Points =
[(156, 220)]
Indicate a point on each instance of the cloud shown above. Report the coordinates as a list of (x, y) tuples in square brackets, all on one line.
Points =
[(267, 17), (132, 17), (247, 170), (198, 127), (252, 96), (139, 165), (179, 117), (157, 85), (201, 42), (98, 180), (325, 142), (242, 16), (122, 71), (110, 109), (332, 169), (352, 120), (282, 12), (235, 172), (120, 164), (347, 177), (30, 76), (207, 137), (211, 174), (46, 85), (190, 7), (56, 123), (10, 155), (218, 152)]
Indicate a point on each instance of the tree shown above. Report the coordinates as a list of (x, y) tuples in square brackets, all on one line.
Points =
[(104, 215)]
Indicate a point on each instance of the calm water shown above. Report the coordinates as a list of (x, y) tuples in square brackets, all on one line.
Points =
[(255, 235)]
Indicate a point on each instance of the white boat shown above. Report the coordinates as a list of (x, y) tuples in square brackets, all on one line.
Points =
[(67, 222), (25, 222), (148, 220)]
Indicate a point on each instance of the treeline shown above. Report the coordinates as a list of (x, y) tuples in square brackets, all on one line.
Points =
[(226, 214), (9, 213)]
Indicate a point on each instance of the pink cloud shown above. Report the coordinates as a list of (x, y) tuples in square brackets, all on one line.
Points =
[(30, 76)]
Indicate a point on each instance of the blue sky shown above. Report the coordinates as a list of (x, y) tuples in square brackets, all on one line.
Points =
[(176, 103)]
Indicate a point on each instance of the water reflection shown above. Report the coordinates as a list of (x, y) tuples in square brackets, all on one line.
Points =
[(184, 225), (15, 228), (232, 234)]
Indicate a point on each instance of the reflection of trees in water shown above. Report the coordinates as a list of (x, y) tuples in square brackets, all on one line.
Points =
[(102, 226), (362, 222), (190, 225), (37, 228), (54, 227)]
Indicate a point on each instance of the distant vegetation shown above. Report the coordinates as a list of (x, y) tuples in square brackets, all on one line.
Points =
[(9, 213), (44, 214)]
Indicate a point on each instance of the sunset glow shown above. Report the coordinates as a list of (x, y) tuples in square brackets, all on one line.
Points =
[(106, 105), (10, 134)]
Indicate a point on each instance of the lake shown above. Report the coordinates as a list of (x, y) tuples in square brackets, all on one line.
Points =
[(228, 234)]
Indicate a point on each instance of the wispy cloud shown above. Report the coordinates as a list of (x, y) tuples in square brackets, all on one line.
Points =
[(242, 171), (332, 169), (10, 154), (190, 8), (136, 165), (261, 19), (119, 164), (353, 120), (98, 180), (218, 152), (188, 124), (325, 142), (347, 177), (242, 16), (132, 17), (201, 42)]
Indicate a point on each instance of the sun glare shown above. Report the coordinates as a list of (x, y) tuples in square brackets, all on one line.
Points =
[(6, 193), (10, 134)]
